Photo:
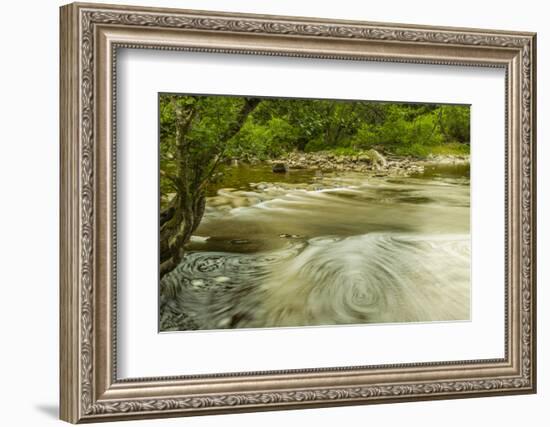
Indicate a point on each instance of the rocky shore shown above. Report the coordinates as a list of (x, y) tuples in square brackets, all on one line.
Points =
[(370, 161)]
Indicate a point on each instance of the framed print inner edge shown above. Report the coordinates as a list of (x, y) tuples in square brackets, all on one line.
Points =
[(90, 37)]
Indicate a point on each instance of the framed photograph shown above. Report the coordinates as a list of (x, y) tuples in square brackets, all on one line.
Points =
[(266, 212)]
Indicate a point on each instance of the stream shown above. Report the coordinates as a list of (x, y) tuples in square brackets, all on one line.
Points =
[(306, 248)]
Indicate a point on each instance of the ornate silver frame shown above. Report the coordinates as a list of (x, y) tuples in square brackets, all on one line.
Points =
[(90, 36)]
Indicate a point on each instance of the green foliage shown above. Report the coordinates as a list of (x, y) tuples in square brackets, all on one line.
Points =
[(315, 144), (263, 141), (194, 135), (418, 131), (455, 123), (277, 126), (399, 129)]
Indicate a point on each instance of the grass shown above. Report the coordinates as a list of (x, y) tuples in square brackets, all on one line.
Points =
[(414, 150), (418, 150)]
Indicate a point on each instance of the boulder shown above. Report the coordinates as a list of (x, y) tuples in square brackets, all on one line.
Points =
[(279, 168), (365, 158), (372, 157)]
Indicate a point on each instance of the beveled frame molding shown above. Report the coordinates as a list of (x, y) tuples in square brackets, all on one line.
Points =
[(90, 36)]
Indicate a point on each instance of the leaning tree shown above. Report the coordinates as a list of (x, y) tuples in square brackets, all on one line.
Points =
[(194, 132)]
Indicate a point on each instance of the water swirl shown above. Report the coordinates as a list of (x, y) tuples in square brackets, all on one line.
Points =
[(370, 278)]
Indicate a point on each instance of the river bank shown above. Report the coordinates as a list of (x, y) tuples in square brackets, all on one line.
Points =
[(370, 161)]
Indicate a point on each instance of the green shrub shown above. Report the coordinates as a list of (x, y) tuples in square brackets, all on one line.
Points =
[(455, 123), (316, 144)]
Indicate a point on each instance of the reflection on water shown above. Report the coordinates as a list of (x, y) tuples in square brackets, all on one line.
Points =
[(337, 248)]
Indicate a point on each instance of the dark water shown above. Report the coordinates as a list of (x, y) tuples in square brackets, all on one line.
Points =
[(240, 176), (305, 248)]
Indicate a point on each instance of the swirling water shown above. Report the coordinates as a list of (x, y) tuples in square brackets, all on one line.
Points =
[(339, 248)]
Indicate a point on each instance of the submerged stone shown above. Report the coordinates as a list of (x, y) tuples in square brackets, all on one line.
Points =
[(279, 168)]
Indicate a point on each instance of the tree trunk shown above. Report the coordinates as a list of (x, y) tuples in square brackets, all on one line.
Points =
[(182, 219)]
